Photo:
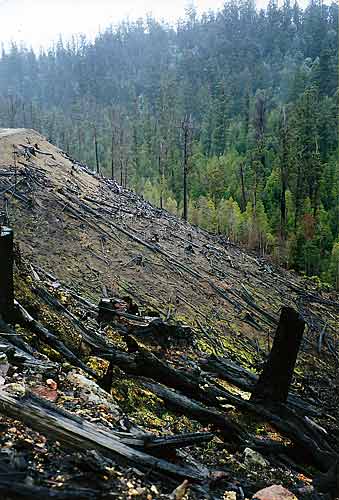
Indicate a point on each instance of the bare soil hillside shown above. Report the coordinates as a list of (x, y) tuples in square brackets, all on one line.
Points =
[(178, 349), (99, 238)]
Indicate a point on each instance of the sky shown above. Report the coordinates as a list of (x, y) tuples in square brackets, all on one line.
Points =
[(39, 22)]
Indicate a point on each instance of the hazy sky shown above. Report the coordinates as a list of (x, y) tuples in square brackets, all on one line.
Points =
[(39, 22)]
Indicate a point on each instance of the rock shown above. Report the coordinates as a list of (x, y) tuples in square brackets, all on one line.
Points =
[(90, 391), (48, 391), (180, 491), (52, 384), (4, 366), (15, 389), (275, 492), (254, 459), (230, 495)]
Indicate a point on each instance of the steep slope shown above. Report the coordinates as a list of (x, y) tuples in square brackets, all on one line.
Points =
[(93, 235), (82, 237)]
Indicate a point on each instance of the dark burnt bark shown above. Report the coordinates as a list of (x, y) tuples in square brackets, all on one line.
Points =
[(275, 380), (6, 274)]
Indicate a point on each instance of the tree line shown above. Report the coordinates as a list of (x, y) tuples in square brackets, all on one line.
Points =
[(228, 119)]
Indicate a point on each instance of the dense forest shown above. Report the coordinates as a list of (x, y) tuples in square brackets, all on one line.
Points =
[(228, 119)]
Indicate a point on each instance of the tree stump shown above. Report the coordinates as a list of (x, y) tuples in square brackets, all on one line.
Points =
[(6, 274), (275, 379)]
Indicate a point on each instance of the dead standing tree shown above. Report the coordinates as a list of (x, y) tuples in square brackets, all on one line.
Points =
[(162, 159), (275, 380), (187, 133), (6, 274), (96, 150)]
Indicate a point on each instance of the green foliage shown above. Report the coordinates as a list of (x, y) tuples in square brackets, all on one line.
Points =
[(334, 266), (261, 88), (229, 219)]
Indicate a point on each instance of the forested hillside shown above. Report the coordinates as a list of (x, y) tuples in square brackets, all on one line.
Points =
[(242, 104)]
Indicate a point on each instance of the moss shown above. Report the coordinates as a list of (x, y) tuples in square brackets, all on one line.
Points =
[(233, 389), (205, 347), (98, 365), (51, 319), (238, 351), (146, 409), (115, 337), (51, 353), (255, 425)]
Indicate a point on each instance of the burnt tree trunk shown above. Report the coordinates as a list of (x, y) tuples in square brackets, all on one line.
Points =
[(6, 274), (243, 193), (96, 151), (275, 379), (112, 159)]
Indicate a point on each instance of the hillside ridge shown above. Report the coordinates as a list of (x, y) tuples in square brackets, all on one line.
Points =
[(122, 229), (134, 323)]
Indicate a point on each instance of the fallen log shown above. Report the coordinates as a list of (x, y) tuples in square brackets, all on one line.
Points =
[(10, 335), (275, 380), (178, 441), (313, 445), (145, 363), (18, 357), (207, 416), (30, 150), (50, 339), (226, 369), (229, 371), (76, 433), (92, 338), (163, 333), (13, 489)]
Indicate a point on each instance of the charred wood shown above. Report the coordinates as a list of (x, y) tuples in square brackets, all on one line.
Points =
[(6, 274), (50, 339), (74, 432), (275, 380)]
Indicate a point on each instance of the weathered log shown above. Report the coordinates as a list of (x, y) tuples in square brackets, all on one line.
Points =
[(178, 441), (92, 338), (18, 357), (16, 490), (50, 339), (154, 330), (6, 274), (313, 445), (74, 432), (109, 310), (275, 380), (9, 333), (30, 150), (145, 363), (230, 371), (226, 369), (207, 416), (163, 333)]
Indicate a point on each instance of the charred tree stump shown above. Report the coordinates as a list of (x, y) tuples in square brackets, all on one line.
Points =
[(275, 379), (6, 274)]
